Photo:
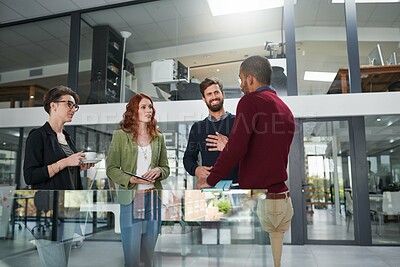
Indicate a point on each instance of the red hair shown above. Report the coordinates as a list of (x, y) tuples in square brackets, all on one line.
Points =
[(130, 123)]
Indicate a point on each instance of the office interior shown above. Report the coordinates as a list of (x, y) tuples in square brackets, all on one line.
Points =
[(336, 65)]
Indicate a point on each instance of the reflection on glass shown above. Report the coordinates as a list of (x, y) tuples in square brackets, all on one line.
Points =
[(9, 147), (329, 203), (192, 42), (85, 61), (34, 59), (314, 52), (378, 52), (79, 223), (383, 157)]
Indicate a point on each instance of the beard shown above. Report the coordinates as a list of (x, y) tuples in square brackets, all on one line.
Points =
[(245, 88), (216, 108)]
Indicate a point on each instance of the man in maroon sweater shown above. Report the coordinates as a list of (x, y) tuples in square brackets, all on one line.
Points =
[(260, 142)]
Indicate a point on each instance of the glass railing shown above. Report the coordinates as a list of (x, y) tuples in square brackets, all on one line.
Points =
[(75, 228)]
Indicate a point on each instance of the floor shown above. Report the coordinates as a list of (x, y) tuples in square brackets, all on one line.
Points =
[(110, 254), (104, 249), (180, 247)]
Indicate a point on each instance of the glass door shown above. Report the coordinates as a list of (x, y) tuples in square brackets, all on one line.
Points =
[(327, 188)]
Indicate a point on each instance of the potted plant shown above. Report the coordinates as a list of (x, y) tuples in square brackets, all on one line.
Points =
[(224, 206)]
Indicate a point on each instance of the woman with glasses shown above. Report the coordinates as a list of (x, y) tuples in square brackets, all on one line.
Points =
[(51, 159), (137, 161)]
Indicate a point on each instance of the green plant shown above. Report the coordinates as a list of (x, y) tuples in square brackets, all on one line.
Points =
[(224, 206)]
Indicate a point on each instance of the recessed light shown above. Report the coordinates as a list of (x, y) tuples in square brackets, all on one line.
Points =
[(319, 76), (378, 119), (225, 7)]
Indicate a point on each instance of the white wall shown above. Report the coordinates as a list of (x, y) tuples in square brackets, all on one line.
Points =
[(317, 106), (143, 76)]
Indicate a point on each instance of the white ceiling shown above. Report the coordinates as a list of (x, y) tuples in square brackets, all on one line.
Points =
[(173, 25)]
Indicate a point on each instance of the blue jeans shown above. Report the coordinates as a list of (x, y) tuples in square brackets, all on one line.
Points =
[(140, 226)]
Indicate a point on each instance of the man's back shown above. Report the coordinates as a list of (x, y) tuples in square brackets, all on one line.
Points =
[(260, 141)]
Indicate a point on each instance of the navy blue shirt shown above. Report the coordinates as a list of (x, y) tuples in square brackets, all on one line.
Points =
[(197, 144)]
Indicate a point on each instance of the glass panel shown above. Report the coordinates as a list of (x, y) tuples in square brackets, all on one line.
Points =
[(33, 59), (320, 46), (170, 36), (85, 61), (383, 155), (9, 148), (378, 45), (329, 204), (72, 226), (95, 138)]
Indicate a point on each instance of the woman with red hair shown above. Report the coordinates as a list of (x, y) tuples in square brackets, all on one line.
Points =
[(137, 160)]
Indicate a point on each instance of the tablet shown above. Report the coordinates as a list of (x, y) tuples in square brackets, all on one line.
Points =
[(137, 176), (223, 185)]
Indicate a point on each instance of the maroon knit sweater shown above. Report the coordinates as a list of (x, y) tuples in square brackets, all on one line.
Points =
[(260, 142)]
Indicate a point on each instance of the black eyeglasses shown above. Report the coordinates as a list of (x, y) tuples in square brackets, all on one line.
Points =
[(69, 103)]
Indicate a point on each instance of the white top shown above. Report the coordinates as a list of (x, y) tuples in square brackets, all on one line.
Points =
[(143, 164)]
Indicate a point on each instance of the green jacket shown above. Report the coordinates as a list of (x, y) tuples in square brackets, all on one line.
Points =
[(122, 156)]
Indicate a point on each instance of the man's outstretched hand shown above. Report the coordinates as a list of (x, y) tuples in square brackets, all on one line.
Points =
[(202, 183)]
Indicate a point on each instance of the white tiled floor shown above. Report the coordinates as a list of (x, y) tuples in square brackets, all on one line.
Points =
[(101, 253), (176, 249)]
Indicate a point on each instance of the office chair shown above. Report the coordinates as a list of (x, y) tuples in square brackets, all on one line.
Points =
[(42, 204), (390, 206)]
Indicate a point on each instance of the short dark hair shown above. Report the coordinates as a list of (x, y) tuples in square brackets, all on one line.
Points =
[(55, 94), (208, 82), (259, 67)]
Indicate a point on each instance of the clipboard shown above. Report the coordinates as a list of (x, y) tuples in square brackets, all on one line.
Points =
[(137, 176)]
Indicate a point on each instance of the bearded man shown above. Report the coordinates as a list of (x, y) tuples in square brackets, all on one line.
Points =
[(208, 137)]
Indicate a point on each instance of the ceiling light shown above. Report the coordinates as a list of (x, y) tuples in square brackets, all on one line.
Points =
[(391, 140), (319, 76), (366, 1), (378, 119), (32, 96), (224, 7)]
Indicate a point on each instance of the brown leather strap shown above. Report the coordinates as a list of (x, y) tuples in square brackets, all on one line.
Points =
[(278, 195)]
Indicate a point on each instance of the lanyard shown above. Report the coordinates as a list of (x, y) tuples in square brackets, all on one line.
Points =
[(264, 88)]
